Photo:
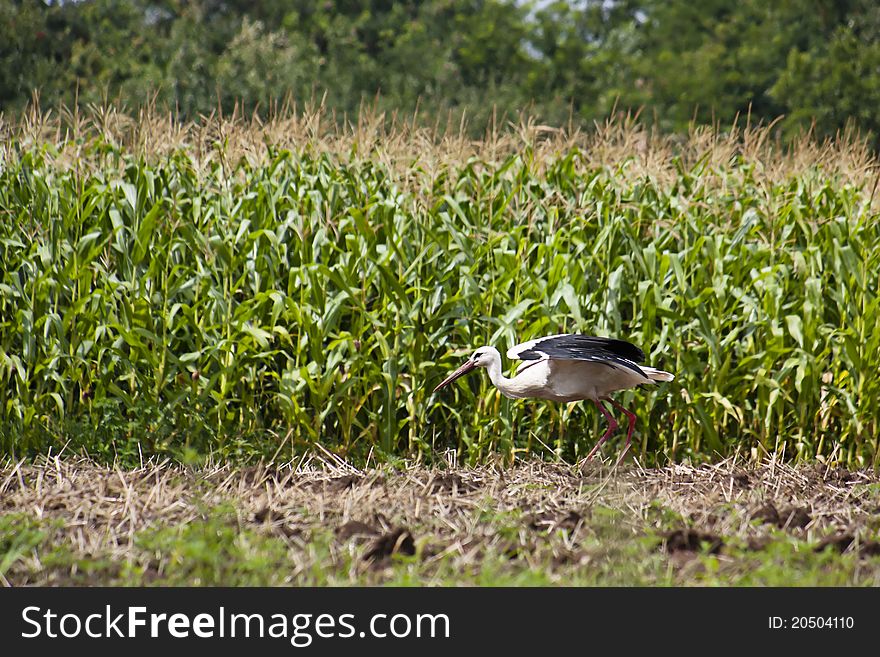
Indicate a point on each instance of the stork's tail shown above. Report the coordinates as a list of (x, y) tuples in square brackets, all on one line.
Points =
[(657, 375)]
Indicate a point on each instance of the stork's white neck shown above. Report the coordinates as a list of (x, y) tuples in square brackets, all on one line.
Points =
[(497, 377), (494, 370)]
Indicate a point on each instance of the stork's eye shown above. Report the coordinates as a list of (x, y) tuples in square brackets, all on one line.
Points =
[(478, 355)]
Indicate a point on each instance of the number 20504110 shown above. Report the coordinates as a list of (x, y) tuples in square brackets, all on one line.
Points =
[(811, 623)]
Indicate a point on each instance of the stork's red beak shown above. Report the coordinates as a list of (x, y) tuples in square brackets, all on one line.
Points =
[(461, 371)]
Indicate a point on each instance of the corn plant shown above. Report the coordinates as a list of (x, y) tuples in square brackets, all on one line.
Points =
[(173, 303)]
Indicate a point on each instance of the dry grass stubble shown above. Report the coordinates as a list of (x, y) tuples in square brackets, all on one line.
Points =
[(437, 526)]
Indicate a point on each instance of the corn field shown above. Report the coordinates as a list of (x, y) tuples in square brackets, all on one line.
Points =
[(242, 289)]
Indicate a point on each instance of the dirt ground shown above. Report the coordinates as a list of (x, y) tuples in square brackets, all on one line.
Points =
[(322, 521)]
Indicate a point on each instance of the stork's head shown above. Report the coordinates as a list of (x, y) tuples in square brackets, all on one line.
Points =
[(482, 357)]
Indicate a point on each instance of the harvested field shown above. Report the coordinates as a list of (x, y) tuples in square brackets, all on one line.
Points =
[(324, 522)]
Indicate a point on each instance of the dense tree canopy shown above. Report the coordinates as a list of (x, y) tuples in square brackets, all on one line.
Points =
[(813, 62)]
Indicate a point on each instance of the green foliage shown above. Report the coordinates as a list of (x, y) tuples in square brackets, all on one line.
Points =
[(838, 78), (19, 535), (211, 551), (241, 308), (807, 62)]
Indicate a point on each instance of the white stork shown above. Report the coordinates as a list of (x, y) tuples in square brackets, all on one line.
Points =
[(568, 368)]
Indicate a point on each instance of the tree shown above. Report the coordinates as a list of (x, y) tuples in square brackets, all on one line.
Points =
[(815, 62)]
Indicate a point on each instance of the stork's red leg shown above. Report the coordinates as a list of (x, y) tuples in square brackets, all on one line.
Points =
[(612, 425), (632, 425)]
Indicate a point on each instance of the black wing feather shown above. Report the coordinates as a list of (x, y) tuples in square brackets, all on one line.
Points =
[(584, 347)]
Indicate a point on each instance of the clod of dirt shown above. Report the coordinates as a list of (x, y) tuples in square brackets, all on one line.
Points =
[(869, 549), (344, 482), (839, 542), (570, 521), (691, 540), (397, 541), (355, 528), (842, 541), (767, 514), (450, 483), (790, 518), (822, 473), (798, 517), (741, 478), (266, 514)]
